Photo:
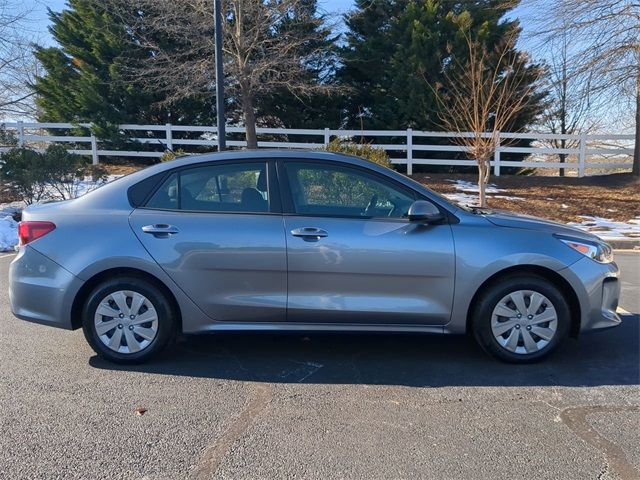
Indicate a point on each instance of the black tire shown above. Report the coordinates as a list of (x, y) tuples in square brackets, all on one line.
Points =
[(489, 298), (166, 324)]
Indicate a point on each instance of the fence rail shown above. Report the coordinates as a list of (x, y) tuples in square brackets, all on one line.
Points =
[(405, 147)]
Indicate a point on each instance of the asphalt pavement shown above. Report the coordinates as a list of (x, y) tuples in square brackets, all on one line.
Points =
[(320, 406)]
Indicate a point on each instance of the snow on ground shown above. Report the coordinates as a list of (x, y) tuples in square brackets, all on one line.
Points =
[(609, 229), (8, 233), (9, 227), (468, 192)]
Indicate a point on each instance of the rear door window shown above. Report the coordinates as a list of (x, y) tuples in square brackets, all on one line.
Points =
[(237, 187)]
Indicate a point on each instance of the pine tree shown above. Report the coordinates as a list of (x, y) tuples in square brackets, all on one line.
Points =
[(398, 51), (86, 76)]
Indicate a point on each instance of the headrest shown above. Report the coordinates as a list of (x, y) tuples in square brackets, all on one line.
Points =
[(262, 181)]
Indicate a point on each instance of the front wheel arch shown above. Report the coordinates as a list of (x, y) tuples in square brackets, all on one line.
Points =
[(89, 285), (549, 275)]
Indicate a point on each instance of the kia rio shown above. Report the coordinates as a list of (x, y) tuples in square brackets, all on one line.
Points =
[(302, 241)]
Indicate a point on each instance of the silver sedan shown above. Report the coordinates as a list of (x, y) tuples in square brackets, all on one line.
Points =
[(300, 241)]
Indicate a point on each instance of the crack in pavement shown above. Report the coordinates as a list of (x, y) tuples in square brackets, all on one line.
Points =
[(216, 452), (615, 460)]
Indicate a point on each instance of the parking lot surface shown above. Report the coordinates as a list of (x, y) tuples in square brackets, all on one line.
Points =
[(320, 406)]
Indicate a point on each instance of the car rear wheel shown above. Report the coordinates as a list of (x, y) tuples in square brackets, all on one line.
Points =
[(521, 319), (127, 320)]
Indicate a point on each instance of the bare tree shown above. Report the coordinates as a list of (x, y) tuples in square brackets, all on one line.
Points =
[(17, 64), (570, 103), (266, 45), (605, 36), (482, 98)]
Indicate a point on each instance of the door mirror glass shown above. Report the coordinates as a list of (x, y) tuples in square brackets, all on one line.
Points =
[(425, 212)]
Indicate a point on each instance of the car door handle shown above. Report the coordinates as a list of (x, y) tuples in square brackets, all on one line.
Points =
[(160, 230), (309, 232)]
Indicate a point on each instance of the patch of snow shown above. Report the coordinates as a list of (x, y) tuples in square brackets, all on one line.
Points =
[(564, 206), (507, 197), (9, 227), (462, 198), (469, 193), (8, 233), (464, 186), (609, 229)]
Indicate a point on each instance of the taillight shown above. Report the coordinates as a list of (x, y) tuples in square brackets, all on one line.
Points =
[(30, 231)]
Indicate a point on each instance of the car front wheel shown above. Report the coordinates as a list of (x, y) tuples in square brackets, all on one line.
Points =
[(127, 320), (521, 319)]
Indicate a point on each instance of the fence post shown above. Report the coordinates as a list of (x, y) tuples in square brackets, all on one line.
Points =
[(496, 157), (582, 158), (169, 137), (20, 134), (94, 149), (327, 137), (409, 151)]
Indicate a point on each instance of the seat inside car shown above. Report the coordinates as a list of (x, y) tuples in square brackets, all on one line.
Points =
[(252, 199)]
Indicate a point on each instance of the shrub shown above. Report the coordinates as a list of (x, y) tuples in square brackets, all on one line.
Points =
[(22, 170), (7, 137), (169, 155), (362, 150), (65, 172), (52, 175)]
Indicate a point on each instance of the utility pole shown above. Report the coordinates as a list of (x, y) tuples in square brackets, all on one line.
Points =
[(217, 6)]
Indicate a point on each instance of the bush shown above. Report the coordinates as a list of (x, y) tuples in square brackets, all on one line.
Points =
[(65, 172), (169, 155), (52, 175), (21, 170), (7, 137), (362, 150)]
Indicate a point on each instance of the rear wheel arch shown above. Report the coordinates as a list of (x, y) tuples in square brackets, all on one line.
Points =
[(545, 273), (91, 283)]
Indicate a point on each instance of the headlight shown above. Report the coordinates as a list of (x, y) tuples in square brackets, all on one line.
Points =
[(598, 251)]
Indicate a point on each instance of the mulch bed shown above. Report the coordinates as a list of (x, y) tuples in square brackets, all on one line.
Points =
[(615, 197)]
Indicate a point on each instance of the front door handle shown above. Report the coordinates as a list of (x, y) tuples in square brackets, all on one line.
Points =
[(309, 233), (160, 230)]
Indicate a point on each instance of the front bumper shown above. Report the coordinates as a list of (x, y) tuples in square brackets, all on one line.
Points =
[(40, 290), (598, 289)]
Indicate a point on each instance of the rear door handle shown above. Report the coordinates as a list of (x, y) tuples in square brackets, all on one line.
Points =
[(160, 230), (309, 233)]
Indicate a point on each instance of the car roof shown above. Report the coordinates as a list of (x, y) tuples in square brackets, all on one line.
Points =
[(267, 154)]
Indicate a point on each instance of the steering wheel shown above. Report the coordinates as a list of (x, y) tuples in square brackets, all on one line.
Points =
[(373, 202)]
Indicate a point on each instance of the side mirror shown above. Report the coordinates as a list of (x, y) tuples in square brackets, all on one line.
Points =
[(424, 212)]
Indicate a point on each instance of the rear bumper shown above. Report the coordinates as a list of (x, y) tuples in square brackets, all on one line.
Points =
[(40, 290)]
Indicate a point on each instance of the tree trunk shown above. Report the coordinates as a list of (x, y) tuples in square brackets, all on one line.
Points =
[(482, 183), (636, 150), (563, 156), (249, 121)]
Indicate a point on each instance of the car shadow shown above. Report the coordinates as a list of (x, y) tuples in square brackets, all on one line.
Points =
[(604, 358)]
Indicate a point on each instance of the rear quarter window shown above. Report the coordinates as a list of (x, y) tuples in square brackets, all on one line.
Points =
[(139, 192)]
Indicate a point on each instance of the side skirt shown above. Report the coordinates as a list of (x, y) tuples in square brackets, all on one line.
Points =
[(317, 327)]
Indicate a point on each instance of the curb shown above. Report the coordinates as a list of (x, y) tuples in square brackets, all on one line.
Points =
[(631, 244)]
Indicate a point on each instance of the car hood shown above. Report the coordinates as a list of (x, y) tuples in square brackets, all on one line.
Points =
[(528, 222)]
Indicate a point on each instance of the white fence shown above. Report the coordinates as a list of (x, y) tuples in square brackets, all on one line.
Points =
[(405, 147)]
